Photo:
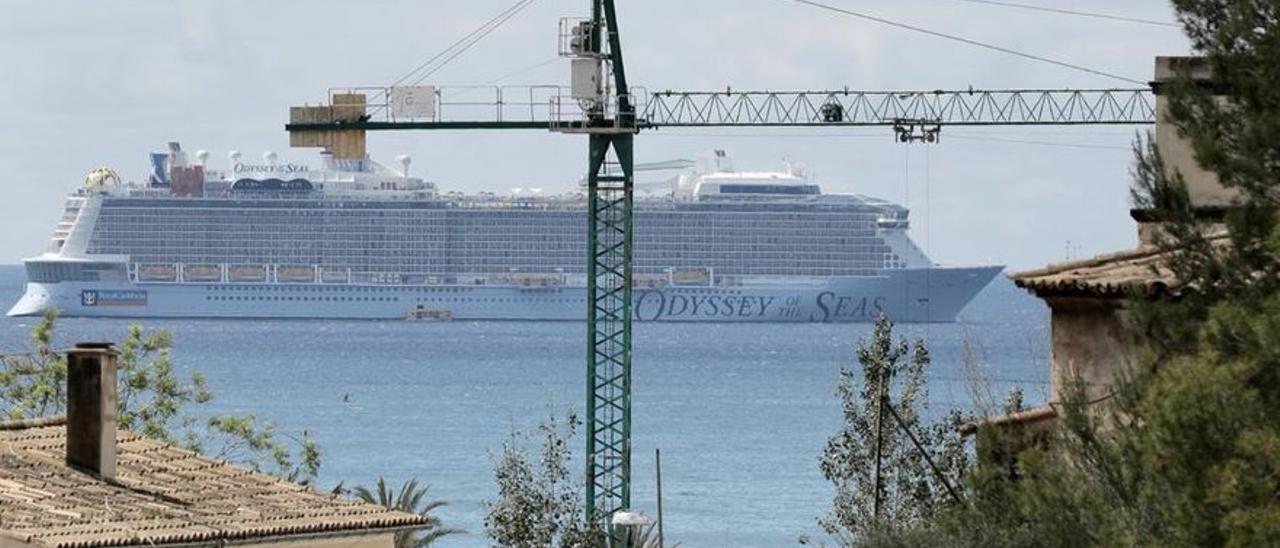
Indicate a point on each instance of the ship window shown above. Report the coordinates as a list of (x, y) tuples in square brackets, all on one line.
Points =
[(54, 272), (770, 189)]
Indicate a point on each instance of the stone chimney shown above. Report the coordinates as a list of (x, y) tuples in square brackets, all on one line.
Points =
[(1207, 194), (91, 408)]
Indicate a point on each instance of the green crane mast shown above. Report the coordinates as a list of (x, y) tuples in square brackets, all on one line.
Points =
[(609, 245)]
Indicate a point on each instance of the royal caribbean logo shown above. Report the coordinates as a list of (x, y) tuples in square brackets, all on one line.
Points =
[(113, 297)]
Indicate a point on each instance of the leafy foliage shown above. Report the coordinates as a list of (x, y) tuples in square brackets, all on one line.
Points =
[(1181, 455), (34, 384), (539, 503), (908, 490), (154, 401), (412, 498), (1185, 451), (1235, 139)]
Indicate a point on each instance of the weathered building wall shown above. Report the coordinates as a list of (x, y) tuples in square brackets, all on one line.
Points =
[(1089, 342), (7, 542), (386, 540), (1205, 189)]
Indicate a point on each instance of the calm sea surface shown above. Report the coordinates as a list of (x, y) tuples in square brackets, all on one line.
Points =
[(740, 411)]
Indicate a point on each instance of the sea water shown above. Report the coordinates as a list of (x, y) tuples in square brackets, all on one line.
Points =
[(741, 412)]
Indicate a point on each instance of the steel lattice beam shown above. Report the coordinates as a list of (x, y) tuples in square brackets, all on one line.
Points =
[(885, 108), (609, 188), (826, 108)]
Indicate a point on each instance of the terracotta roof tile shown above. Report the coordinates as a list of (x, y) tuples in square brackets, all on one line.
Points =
[(1112, 275), (1027, 417), (161, 495)]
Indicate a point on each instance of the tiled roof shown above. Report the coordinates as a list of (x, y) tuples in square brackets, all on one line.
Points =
[(1112, 275), (161, 495), (1025, 418)]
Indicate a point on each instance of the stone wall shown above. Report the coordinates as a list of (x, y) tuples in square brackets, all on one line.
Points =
[(1090, 342)]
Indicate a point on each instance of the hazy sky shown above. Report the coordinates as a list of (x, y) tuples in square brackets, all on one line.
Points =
[(102, 83)]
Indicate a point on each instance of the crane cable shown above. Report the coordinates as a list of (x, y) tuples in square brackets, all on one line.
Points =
[(928, 239), (968, 41), (1076, 13), (462, 44), (907, 303), (520, 6), (517, 72)]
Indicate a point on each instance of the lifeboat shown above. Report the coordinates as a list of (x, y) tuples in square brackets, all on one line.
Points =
[(295, 273), (335, 275), (650, 280), (201, 273), (691, 276), (535, 280), (157, 273), (247, 273)]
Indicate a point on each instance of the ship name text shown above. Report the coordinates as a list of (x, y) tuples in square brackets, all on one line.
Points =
[(656, 305), (831, 307), (271, 168)]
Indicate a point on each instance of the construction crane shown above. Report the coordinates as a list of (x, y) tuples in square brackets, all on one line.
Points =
[(601, 105)]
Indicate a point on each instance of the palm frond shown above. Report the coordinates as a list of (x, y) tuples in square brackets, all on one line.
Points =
[(412, 499), (424, 540)]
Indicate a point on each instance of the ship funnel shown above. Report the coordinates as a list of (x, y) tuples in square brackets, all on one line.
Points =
[(718, 162), (404, 160), (797, 170), (202, 156), (159, 169), (177, 158), (722, 162)]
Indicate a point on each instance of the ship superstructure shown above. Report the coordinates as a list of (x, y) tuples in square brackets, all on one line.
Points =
[(359, 239)]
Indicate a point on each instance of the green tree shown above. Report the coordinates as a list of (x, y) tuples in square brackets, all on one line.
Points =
[(539, 502), (412, 498), (155, 401), (1185, 451), (884, 483)]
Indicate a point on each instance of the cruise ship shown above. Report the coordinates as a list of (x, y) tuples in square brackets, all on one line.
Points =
[(366, 240)]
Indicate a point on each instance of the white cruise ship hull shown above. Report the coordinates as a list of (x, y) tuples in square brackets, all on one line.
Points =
[(907, 295)]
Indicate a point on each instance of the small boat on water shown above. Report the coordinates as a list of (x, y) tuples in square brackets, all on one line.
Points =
[(422, 313)]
